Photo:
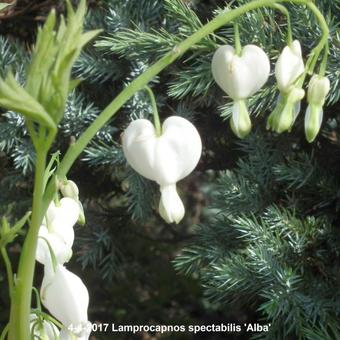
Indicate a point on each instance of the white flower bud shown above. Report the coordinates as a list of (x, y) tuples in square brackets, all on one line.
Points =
[(318, 89), (70, 189), (240, 76), (171, 207), (289, 66), (66, 298), (42, 329), (240, 122), (165, 159)]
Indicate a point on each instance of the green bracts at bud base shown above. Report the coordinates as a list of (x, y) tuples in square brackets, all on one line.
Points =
[(286, 111)]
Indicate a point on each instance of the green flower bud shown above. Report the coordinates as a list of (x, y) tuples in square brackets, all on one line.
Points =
[(313, 120), (318, 89)]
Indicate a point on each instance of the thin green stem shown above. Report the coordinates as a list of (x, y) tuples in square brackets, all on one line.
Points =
[(37, 297), (237, 40), (323, 64), (8, 270), (21, 300), (156, 120), (314, 56), (4, 332), (285, 12)]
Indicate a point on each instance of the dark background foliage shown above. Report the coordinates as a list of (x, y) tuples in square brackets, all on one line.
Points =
[(260, 240)]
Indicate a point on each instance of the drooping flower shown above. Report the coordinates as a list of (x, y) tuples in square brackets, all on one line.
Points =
[(317, 92), (165, 159), (289, 67), (66, 298), (42, 329), (240, 76), (57, 231)]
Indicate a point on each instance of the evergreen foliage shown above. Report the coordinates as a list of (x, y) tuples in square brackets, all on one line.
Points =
[(271, 239)]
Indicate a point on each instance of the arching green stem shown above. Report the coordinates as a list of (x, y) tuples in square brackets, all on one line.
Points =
[(237, 40), (285, 12), (156, 120)]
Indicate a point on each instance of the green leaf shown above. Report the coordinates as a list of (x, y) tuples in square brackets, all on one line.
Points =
[(14, 97), (3, 5)]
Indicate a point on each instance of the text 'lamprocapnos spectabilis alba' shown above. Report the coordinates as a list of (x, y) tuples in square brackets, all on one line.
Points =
[(66, 297), (318, 89), (165, 159), (240, 76)]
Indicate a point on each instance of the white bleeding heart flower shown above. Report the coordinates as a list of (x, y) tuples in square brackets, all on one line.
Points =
[(317, 92), (57, 230), (165, 159), (42, 329), (66, 297), (240, 76), (289, 66)]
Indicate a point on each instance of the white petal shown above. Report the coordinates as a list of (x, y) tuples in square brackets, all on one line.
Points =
[(240, 120), (240, 76), (139, 141), (165, 159), (65, 296), (171, 207), (289, 66), (61, 249)]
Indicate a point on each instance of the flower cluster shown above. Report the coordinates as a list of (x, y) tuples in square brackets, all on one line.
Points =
[(62, 292), (241, 75), (165, 159)]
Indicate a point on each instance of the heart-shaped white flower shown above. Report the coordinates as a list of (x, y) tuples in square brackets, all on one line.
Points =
[(165, 159), (240, 76)]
